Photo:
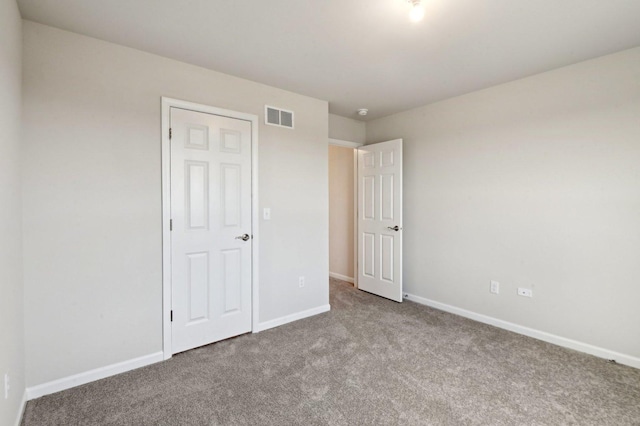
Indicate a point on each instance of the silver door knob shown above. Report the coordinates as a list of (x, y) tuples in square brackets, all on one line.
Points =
[(394, 228), (244, 237)]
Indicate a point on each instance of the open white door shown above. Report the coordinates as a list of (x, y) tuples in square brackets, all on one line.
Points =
[(380, 219), (211, 240)]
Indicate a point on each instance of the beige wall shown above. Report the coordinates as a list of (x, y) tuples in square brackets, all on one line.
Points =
[(532, 183), (346, 129), (92, 198), (341, 215), (11, 288), (535, 184)]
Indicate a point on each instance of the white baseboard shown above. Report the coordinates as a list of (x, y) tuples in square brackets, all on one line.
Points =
[(341, 277), (536, 334), (92, 375), (290, 318), (23, 404)]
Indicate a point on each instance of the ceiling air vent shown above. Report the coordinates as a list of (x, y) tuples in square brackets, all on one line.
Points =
[(278, 117)]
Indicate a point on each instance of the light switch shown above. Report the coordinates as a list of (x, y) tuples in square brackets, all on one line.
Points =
[(266, 215)]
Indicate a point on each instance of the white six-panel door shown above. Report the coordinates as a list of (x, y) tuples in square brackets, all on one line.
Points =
[(380, 219), (210, 214)]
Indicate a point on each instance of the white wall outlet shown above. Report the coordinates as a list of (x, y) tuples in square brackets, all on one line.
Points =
[(266, 213), (300, 282), (495, 287), (6, 386), (526, 292)]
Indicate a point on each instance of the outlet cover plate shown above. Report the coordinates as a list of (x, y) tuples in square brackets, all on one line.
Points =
[(526, 292)]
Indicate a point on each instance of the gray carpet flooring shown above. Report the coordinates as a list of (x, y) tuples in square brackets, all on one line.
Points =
[(369, 361)]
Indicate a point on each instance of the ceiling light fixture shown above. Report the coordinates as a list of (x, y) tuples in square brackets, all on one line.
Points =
[(417, 11), (363, 111)]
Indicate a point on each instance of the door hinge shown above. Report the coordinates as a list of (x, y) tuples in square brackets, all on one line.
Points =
[(170, 132), (170, 224), (172, 315)]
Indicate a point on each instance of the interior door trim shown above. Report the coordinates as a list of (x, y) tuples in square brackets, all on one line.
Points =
[(167, 104)]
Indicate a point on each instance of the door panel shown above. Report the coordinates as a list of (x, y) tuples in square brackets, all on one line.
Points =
[(369, 197), (210, 208), (198, 286), (368, 251), (380, 219), (231, 194), (232, 280), (386, 255), (197, 193), (386, 197)]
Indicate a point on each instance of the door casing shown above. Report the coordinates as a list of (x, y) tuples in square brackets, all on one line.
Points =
[(167, 103)]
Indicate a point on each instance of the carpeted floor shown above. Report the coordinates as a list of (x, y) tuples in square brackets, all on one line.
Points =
[(368, 361)]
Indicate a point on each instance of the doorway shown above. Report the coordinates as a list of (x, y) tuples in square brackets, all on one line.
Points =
[(342, 213), (342, 210), (365, 216)]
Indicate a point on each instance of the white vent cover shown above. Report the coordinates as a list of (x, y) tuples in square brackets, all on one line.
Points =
[(274, 116)]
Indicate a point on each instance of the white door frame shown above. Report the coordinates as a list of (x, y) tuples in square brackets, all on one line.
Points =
[(355, 146), (167, 104)]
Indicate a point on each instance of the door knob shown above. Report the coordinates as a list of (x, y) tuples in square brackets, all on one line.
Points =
[(394, 228), (244, 237)]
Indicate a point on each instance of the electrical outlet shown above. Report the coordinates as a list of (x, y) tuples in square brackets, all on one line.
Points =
[(526, 292), (301, 282), (6, 386), (495, 287)]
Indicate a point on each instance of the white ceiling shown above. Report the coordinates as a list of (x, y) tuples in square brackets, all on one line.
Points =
[(359, 53)]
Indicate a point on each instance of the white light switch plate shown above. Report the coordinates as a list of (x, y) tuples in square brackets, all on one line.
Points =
[(266, 213)]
